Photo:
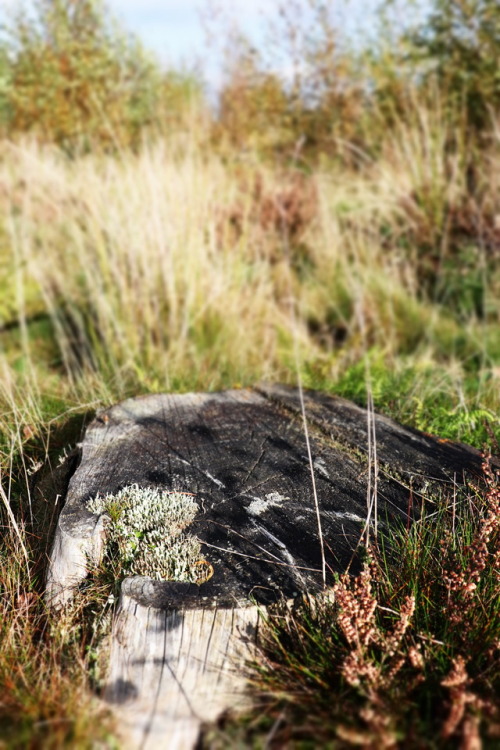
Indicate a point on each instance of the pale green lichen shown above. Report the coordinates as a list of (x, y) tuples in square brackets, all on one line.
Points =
[(146, 527)]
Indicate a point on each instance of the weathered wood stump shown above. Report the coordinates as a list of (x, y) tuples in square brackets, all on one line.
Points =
[(177, 649)]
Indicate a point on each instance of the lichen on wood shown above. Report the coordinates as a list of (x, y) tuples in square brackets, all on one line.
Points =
[(145, 527)]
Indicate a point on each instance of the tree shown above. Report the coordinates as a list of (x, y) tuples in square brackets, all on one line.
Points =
[(74, 77), (461, 43)]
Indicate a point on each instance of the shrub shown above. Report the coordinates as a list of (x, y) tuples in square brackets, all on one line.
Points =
[(301, 97), (459, 44), (74, 78)]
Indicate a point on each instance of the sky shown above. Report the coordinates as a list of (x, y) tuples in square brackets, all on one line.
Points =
[(176, 30), (180, 33)]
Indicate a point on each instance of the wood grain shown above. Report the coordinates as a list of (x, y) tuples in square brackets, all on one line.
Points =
[(172, 669)]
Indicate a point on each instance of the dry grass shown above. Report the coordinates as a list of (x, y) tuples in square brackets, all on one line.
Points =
[(45, 664), (147, 267), (176, 268)]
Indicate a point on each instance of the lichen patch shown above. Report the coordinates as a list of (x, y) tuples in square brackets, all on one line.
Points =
[(260, 505), (146, 527)]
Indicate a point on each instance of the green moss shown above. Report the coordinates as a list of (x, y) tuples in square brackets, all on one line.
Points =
[(433, 398)]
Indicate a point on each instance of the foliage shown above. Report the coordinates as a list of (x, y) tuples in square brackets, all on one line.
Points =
[(72, 77), (312, 109), (459, 43), (314, 86)]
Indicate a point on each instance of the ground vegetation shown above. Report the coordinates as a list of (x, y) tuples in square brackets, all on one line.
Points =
[(340, 223)]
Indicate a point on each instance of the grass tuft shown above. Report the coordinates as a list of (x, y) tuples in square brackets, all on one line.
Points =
[(45, 697)]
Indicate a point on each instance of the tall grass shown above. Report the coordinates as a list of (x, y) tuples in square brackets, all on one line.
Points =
[(172, 269), (140, 271)]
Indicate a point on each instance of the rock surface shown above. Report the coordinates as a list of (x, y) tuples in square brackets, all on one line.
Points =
[(243, 453)]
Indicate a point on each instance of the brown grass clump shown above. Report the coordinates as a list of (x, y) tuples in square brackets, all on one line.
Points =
[(276, 214), (45, 665)]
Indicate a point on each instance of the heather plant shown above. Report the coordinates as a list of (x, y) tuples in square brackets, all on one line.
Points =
[(404, 652)]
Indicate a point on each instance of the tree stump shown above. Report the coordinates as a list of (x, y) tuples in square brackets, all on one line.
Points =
[(178, 649)]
